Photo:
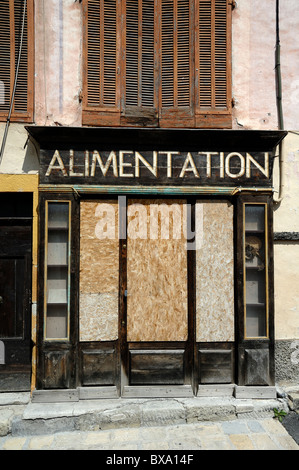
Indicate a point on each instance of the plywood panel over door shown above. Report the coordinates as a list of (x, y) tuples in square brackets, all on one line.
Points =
[(157, 271)]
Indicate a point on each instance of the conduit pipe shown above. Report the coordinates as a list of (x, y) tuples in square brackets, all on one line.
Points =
[(14, 86), (281, 147)]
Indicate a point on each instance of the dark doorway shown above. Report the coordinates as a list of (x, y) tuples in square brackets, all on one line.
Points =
[(15, 291)]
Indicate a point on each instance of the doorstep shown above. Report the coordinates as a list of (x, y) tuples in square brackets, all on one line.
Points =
[(179, 391), (86, 414)]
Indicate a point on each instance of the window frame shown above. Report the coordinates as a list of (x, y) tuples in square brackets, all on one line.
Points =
[(28, 116)]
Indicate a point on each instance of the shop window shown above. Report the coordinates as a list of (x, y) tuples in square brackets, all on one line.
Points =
[(57, 270), (255, 271), (157, 63), (14, 44)]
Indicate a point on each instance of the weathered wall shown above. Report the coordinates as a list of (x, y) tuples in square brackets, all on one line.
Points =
[(253, 64), (286, 253), (17, 157), (58, 67)]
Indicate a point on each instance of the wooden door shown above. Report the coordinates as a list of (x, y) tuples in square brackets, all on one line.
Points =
[(157, 308), (15, 294)]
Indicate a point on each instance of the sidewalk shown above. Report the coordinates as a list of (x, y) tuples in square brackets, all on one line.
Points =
[(251, 434), (144, 424)]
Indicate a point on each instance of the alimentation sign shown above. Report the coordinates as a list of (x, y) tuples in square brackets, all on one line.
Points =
[(137, 166)]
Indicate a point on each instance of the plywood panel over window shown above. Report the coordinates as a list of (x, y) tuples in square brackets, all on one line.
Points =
[(157, 271), (214, 272), (157, 63), (99, 270), (13, 45)]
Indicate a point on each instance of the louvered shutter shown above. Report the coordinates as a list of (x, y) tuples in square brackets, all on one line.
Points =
[(139, 104), (11, 17), (101, 94), (212, 58), (177, 28), (157, 62)]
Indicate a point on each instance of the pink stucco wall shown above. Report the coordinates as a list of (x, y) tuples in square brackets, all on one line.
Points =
[(59, 63)]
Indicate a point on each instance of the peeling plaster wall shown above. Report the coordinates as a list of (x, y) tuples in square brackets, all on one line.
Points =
[(58, 67), (253, 64)]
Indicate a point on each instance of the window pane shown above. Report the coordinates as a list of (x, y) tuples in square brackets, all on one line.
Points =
[(57, 282), (255, 271), (254, 217)]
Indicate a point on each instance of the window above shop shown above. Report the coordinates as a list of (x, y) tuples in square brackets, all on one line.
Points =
[(157, 63), (16, 42)]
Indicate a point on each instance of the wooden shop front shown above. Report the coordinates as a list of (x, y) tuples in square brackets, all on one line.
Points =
[(155, 260)]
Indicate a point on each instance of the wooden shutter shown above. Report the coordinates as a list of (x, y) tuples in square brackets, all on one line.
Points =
[(212, 59), (139, 104), (157, 63), (101, 67), (11, 16), (176, 105)]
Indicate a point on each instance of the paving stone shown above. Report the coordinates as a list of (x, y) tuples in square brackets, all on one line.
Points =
[(241, 441), (40, 442), (263, 442), (235, 427), (14, 443), (255, 426)]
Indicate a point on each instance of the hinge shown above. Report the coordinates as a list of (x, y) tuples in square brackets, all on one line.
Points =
[(80, 96), (232, 3)]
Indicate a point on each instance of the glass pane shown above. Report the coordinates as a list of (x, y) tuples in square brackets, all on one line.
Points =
[(255, 251), (255, 321), (58, 215), (57, 248), (255, 287), (255, 271), (56, 321), (57, 282), (255, 217), (57, 285)]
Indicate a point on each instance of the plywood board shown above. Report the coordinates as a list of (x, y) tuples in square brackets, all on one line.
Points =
[(99, 270), (157, 272), (215, 272)]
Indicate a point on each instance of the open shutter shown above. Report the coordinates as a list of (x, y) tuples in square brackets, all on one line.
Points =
[(101, 95), (139, 104), (11, 17), (212, 59), (176, 106)]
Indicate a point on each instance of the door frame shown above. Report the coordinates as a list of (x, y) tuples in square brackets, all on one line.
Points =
[(189, 382)]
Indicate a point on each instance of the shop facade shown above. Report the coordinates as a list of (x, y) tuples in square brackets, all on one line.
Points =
[(155, 261)]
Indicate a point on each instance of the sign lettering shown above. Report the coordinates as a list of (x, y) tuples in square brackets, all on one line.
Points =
[(157, 166)]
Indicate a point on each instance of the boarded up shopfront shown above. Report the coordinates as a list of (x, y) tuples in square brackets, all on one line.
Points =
[(155, 260)]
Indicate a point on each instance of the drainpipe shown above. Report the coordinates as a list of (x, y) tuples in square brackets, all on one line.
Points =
[(15, 85), (281, 148)]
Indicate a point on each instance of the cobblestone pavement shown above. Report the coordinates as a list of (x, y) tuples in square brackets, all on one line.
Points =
[(250, 434)]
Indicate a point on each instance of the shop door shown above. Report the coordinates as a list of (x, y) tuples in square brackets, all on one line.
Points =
[(15, 282), (158, 349), (134, 320)]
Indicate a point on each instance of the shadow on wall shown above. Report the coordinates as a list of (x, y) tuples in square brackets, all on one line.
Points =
[(31, 160)]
